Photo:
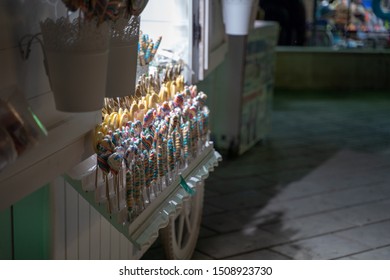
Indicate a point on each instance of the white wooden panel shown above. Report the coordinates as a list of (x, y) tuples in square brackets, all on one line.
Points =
[(94, 233), (123, 248), (58, 244), (115, 243), (84, 228), (105, 239), (72, 205)]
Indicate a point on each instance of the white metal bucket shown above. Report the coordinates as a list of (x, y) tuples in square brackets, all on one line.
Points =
[(237, 14), (78, 79), (122, 68)]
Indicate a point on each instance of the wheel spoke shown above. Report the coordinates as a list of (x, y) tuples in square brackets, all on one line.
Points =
[(180, 230), (187, 215)]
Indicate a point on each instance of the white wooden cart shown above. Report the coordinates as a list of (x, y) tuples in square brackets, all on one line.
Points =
[(174, 213)]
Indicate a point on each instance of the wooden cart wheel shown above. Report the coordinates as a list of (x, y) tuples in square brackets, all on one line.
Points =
[(180, 236)]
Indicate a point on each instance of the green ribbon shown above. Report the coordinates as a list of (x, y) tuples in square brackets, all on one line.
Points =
[(186, 187)]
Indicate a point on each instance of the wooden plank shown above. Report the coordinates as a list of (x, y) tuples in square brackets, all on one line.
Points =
[(105, 239), (72, 205), (123, 248), (94, 234), (115, 243), (84, 228)]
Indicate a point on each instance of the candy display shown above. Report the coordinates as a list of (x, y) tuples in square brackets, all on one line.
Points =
[(145, 141)]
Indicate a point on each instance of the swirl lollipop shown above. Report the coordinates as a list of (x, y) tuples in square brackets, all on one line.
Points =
[(178, 100), (149, 117)]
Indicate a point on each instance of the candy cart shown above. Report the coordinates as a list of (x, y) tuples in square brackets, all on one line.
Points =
[(147, 177)]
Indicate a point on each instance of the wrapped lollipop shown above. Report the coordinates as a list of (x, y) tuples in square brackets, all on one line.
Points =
[(153, 170), (102, 161), (115, 163), (147, 175), (137, 189), (116, 138), (130, 155), (173, 123), (137, 126), (186, 142), (171, 155), (178, 148), (105, 145), (147, 142)]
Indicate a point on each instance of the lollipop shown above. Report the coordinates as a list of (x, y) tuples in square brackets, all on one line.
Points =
[(130, 154), (194, 91), (137, 126), (147, 142), (153, 165), (103, 164), (149, 117), (171, 154), (173, 123), (186, 140), (116, 138), (178, 146), (192, 112), (201, 99), (179, 100), (115, 162), (106, 144)]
